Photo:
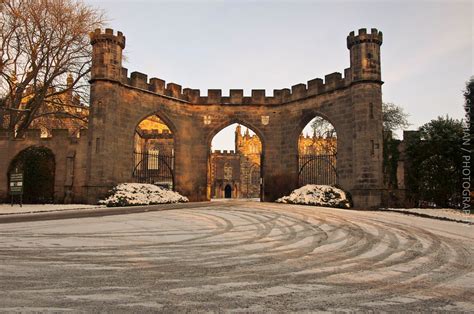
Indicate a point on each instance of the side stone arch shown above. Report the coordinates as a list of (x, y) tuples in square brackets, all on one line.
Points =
[(116, 110), (314, 168), (153, 150)]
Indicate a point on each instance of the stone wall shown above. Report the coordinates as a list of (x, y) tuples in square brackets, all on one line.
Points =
[(87, 167), (225, 169), (351, 103), (70, 154)]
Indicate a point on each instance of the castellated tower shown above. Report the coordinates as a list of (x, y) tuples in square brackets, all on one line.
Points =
[(365, 55), (104, 141), (107, 54), (366, 99)]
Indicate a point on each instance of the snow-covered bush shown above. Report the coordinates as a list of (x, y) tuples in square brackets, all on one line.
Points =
[(319, 195), (129, 194)]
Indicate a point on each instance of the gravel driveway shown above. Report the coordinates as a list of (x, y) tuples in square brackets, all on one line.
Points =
[(238, 256)]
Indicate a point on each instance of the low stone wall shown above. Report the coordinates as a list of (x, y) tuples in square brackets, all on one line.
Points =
[(70, 155)]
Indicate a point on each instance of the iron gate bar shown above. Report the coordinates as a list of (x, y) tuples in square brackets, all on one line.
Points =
[(153, 167), (317, 169)]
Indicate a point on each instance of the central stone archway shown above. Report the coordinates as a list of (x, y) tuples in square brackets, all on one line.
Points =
[(240, 167), (351, 103)]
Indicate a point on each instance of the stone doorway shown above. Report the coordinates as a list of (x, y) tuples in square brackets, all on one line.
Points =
[(38, 167), (228, 191)]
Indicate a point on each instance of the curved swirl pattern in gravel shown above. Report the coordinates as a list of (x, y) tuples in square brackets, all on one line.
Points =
[(238, 256)]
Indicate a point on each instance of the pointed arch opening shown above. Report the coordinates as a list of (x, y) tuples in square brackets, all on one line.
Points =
[(235, 163), (37, 163), (317, 153), (153, 155)]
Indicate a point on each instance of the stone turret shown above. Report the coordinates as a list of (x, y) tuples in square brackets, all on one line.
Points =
[(107, 54), (238, 137), (365, 55)]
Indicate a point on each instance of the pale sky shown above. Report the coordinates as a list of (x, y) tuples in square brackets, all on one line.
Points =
[(427, 54), (225, 139)]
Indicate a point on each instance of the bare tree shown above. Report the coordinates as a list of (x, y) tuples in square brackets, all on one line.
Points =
[(322, 128), (324, 135), (394, 117), (42, 42)]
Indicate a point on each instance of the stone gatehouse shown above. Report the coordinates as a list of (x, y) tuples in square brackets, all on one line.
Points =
[(88, 166)]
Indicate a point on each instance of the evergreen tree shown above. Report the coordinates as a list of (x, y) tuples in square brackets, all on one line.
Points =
[(436, 162)]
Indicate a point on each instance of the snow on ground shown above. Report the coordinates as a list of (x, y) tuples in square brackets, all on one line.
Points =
[(127, 194), (319, 195), (438, 213), (34, 208)]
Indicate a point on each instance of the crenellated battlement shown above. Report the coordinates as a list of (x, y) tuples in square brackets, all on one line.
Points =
[(109, 36), (313, 87), (224, 152), (59, 135), (108, 66), (156, 134), (375, 36)]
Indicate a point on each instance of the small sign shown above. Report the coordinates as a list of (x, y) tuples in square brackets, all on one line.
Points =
[(265, 120), (16, 183), (16, 186)]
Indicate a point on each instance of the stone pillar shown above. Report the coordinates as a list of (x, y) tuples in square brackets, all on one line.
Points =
[(192, 156), (367, 145)]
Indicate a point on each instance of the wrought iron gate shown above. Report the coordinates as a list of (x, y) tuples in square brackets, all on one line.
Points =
[(154, 168), (317, 169)]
